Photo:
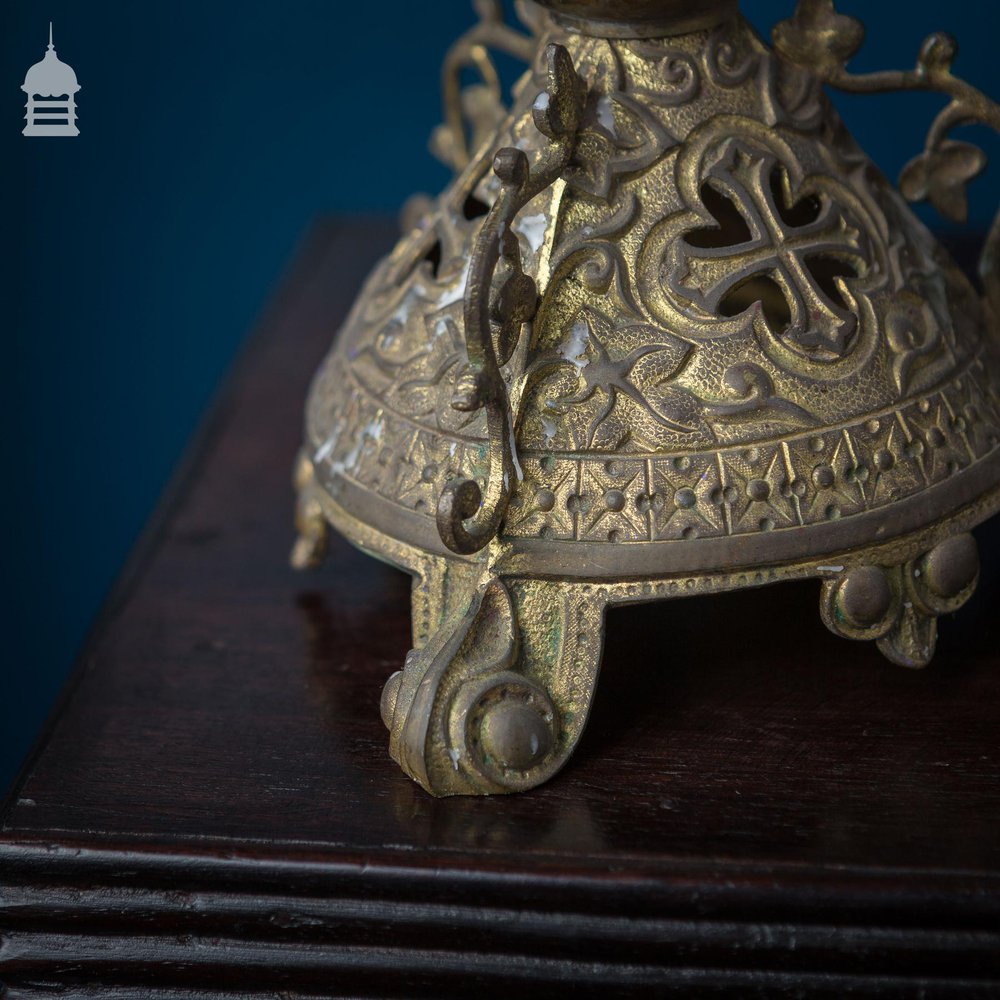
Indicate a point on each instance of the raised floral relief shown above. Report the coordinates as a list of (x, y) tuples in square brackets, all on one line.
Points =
[(737, 285), (593, 379), (619, 133)]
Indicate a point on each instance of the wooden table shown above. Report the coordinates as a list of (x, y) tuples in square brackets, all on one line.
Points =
[(757, 808)]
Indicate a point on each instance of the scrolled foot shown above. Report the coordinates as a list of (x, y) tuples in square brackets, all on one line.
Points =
[(497, 697), (899, 606), (508, 729)]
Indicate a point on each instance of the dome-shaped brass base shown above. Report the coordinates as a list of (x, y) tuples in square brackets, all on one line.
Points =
[(677, 336)]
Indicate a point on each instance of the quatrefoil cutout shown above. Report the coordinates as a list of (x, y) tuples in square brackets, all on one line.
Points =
[(760, 244)]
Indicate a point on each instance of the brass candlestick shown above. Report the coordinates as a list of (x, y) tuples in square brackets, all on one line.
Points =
[(667, 332)]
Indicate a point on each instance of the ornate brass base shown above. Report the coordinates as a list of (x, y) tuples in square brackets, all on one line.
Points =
[(497, 689), (668, 332)]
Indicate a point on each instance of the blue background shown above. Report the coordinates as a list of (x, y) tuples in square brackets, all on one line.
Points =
[(139, 254)]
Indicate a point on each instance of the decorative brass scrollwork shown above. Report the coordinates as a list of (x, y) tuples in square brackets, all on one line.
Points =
[(499, 299), (478, 108), (820, 39), (745, 361)]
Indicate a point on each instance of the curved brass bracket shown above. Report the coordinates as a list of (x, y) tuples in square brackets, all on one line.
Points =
[(478, 107), (821, 40), (499, 299)]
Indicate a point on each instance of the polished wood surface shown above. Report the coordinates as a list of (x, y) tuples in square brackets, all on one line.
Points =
[(756, 808)]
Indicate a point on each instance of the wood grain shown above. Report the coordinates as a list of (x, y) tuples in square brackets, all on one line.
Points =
[(757, 808)]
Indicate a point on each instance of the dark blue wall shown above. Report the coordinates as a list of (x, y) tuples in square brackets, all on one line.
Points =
[(139, 254)]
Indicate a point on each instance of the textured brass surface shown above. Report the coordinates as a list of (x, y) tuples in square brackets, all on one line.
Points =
[(667, 332)]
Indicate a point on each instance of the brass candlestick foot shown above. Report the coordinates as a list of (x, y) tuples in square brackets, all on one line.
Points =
[(498, 696)]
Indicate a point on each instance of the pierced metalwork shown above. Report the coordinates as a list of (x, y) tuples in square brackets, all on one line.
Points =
[(677, 336)]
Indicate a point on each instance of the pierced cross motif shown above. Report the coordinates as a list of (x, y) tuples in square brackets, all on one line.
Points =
[(762, 246)]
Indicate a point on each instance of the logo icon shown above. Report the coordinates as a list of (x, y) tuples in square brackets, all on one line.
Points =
[(50, 78)]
